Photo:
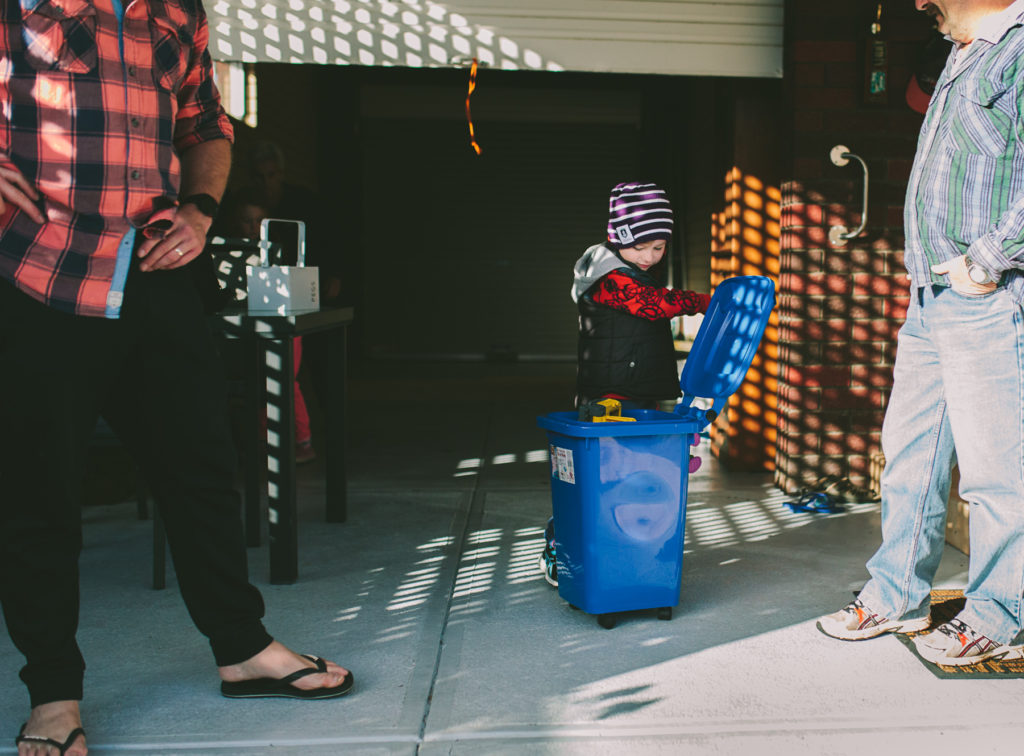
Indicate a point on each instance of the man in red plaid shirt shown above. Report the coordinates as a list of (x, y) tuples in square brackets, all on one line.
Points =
[(114, 152)]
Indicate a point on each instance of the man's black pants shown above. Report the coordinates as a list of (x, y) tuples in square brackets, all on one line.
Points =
[(155, 375)]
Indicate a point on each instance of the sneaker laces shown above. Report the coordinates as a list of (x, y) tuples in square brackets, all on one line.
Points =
[(857, 607), (865, 617), (956, 629), (854, 605)]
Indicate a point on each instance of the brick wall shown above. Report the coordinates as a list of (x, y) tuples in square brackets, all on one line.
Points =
[(745, 242), (840, 307)]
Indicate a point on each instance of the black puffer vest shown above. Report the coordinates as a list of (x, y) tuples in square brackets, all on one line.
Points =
[(624, 354)]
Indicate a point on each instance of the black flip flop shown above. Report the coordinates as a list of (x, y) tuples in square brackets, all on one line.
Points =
[(269, 687), (61, 747)]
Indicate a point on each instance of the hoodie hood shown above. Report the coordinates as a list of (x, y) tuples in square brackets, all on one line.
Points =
[(596, 262)]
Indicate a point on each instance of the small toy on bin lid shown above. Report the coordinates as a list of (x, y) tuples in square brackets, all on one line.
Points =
[(604, 410)]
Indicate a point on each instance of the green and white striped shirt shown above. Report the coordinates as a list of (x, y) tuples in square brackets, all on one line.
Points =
[(966, 189)]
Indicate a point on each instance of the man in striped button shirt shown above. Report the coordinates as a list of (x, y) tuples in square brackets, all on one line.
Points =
[(114, 150), (958, 392)]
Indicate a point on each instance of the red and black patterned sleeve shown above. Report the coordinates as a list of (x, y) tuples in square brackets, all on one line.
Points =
[(201, 116), (622, 292)]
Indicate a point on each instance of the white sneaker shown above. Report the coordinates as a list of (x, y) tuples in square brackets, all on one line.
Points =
[(955, 644), (856, 622)]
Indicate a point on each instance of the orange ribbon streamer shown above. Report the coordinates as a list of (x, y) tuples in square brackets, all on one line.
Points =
[(469, 116)]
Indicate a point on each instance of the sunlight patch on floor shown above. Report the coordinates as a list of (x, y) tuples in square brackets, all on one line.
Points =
[(717, 525), (473, 465)]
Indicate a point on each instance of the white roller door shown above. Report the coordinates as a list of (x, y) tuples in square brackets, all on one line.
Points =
[(684, 37)]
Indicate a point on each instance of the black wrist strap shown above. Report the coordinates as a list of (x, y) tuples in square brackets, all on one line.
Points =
[(205, 203)]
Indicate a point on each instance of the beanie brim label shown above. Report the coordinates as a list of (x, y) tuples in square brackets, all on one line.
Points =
[(624, 235)]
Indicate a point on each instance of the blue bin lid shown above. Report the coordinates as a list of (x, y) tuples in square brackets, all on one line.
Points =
[(645, 423), (721, 354), (727, 339)]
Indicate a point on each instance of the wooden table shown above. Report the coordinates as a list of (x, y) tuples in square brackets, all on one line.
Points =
[(268, 378)]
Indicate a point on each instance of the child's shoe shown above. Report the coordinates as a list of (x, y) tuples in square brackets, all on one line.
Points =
[(694, 459), (547, 558)]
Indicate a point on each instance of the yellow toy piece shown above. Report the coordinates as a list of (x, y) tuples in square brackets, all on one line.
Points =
[(612, 412)]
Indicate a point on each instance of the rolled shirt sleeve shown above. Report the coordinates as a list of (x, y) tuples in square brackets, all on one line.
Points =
[(201, 116)]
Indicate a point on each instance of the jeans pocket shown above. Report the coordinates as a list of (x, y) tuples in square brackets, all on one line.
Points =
[(59, 37), (975, 297)]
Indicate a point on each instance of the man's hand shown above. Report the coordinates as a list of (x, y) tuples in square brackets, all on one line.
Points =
[(956, 269), (14, 189), (179, 245), (204, 170)]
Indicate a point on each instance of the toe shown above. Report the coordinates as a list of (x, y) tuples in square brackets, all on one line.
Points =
[(334, 676)]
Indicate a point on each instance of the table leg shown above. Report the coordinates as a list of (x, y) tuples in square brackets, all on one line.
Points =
[(336, 482), (281, 495)]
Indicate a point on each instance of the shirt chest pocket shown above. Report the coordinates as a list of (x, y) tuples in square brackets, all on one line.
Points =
[(173, 35), (981, 118), (59, 35)]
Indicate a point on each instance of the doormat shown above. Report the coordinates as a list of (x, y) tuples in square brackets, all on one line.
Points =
[(946, 604)]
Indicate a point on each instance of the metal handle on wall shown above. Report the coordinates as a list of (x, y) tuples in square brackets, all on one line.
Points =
[(839, 235)]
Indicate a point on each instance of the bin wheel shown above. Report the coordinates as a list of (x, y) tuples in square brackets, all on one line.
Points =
[(665, 613), (607, 621)]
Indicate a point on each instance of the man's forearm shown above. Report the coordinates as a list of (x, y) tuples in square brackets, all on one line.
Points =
[(205, 168)]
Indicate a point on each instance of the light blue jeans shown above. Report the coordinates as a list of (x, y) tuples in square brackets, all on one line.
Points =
[(958, 396)]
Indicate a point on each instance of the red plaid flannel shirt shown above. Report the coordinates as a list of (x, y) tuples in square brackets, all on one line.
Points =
[(99, 140)]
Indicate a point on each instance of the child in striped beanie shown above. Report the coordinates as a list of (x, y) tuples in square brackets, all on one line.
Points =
[(626, 347)]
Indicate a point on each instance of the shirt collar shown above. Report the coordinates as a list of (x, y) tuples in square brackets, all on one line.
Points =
[(992, 28)]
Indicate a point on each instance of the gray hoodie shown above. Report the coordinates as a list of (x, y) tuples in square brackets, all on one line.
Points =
[(597, 262)]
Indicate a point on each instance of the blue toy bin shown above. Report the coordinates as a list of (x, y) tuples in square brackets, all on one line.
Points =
[(618, 489)]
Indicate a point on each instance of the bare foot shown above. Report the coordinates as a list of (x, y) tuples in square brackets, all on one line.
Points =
[(277, 661), (53, 720)]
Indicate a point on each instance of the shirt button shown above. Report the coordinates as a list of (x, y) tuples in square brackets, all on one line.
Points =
[(136, 122), (632, 364), (136, 174), (131, 70)]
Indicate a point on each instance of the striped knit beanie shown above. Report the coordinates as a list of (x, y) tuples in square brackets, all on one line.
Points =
[(638, 213)]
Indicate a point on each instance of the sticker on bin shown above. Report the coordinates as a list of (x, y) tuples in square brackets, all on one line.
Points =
[(561, 464)]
